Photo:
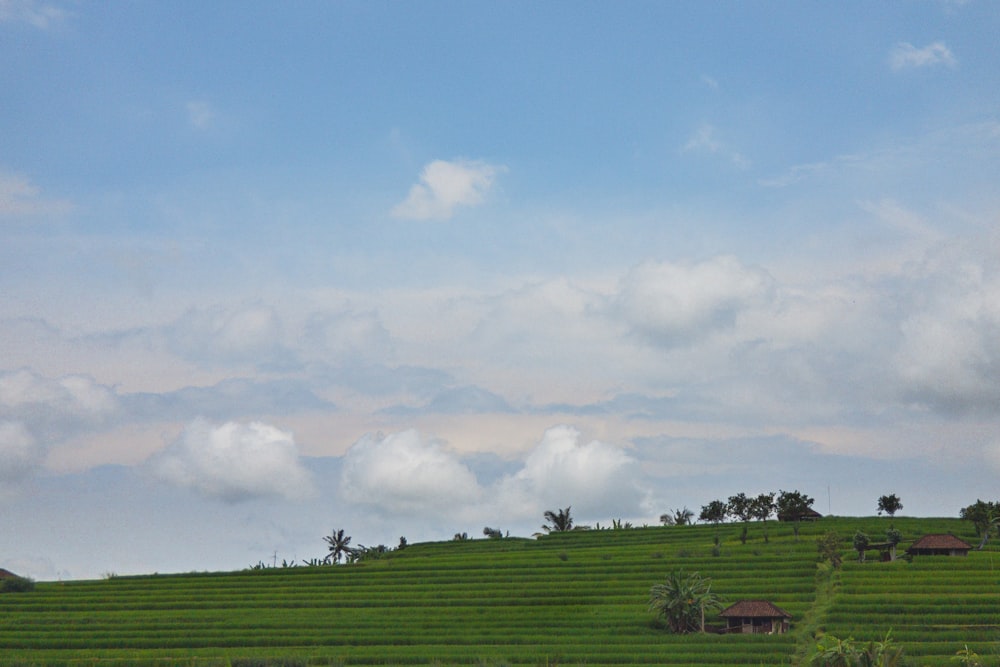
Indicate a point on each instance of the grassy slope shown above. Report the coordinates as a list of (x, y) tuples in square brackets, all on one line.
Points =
[(577, 598)]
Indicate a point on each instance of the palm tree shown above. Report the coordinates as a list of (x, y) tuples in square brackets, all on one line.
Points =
[(683, 600), (339, 545), (559, 521)]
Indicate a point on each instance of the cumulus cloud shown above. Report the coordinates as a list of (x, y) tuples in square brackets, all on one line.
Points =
[(234, 462), (676, 303), (37, 400), (20, 197), (33, 12), (905, 56), (407, 474), (445, 186), (20, 454), (38, 412), (597, 478)]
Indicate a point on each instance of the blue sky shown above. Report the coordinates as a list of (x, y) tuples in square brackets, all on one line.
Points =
[(274, 269)]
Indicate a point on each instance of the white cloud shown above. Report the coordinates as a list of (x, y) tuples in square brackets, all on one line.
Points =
[(234, 462), (406, 474), (20, 454), (677, 303), (34, 12), (706, 140), (904, 56), (949, 355), (20, 197), (446, 185), (31, 396), (597, 479)]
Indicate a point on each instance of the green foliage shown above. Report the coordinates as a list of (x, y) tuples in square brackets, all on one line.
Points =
[(714, 512), (792, 506), (985, 516), (967, 657), (833, 652), (558, 521), (681, 517), (513, 602), (683, 601), (889, 504), (17, 585), (861, 543), (829, 549)]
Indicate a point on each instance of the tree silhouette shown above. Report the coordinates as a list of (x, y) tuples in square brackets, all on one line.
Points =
[(740, 507), (558, 521), (338, 543), (889, 504), (792, 506)]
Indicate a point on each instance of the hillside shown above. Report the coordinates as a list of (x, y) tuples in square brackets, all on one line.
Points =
[(572, 599)]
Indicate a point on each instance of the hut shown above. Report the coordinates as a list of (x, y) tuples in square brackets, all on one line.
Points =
[(808, 514), (939, 545), (7, 574), (756, 616)]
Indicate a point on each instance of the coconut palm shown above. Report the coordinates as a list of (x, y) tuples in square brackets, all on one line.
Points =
[(682, 600), (339, 544), (558, 521)]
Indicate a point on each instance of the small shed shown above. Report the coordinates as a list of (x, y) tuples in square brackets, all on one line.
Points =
[(939, 545), (808, 514), (7, 574), (756, 617)]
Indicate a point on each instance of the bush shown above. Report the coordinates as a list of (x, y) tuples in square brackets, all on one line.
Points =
[(17, 585)]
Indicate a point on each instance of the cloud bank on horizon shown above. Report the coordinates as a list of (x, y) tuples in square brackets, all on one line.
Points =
[(425, 289)]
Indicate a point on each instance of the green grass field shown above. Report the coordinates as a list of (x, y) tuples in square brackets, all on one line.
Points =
[(576, 598)]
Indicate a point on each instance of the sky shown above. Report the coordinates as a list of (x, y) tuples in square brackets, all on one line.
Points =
[(274, 269)]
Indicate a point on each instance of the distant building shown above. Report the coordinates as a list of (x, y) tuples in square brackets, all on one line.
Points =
[(939, 545), (7, 574), (808, 514), (756, 617)]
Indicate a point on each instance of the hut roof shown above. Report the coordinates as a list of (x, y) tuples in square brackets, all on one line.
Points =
[(940, 541), (754, 609), (7, 574)]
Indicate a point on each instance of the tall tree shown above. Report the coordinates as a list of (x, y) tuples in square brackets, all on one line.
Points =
[(740, 507), (889, 504), (762, 507), (792, 506), (339, 544), (714, 512), (985, 516), (682, 600), (558, 521)]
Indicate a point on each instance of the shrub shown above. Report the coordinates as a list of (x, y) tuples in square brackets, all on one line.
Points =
[(17, 585)]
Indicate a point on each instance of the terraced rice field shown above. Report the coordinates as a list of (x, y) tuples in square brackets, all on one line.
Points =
[(571, 599)]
